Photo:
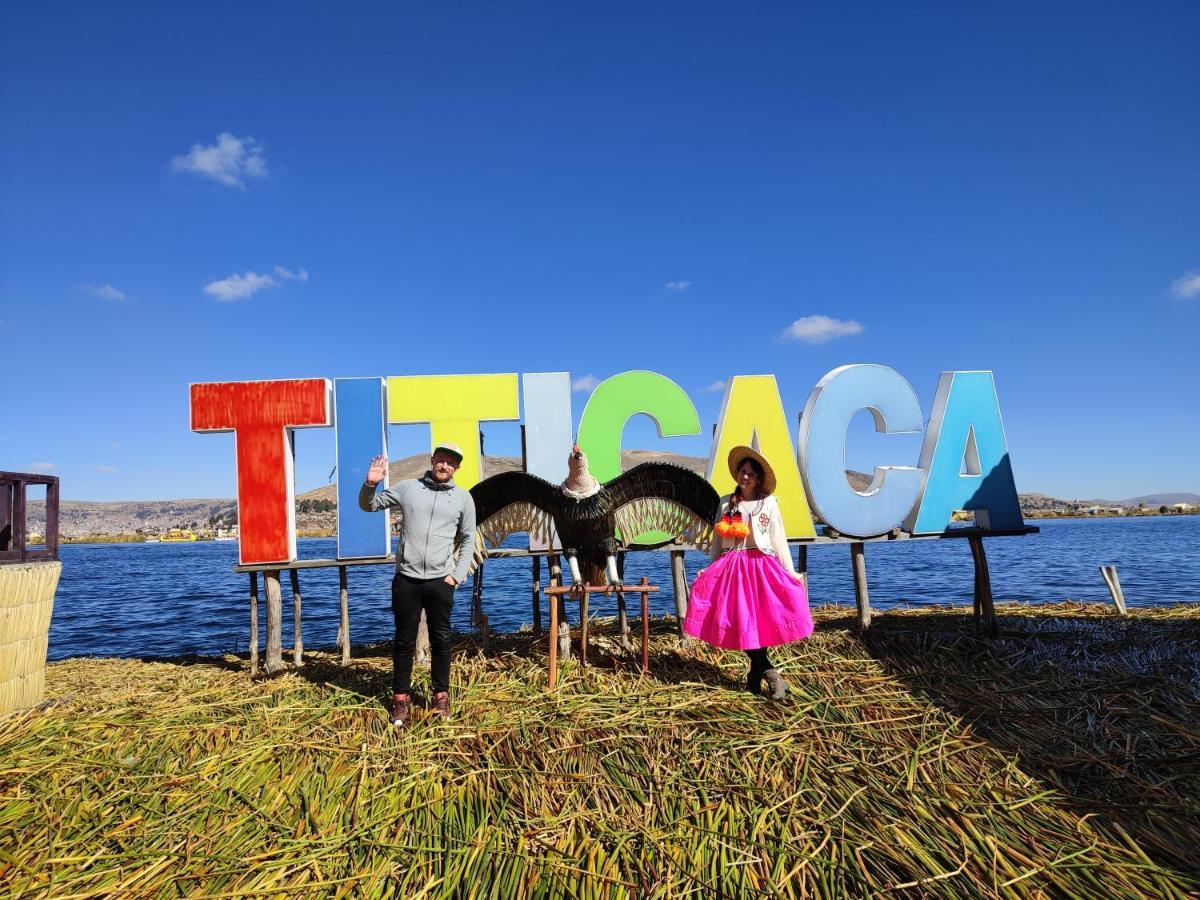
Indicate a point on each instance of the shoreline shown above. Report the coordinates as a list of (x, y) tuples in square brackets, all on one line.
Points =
[(1064, 754), (331, 534)]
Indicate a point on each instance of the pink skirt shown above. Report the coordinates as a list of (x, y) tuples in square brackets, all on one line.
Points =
[(746, 600)]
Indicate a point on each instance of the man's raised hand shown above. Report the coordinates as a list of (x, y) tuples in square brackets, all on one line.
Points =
[(378, 469)]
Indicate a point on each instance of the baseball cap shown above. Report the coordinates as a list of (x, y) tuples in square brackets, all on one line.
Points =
[(451, 448)]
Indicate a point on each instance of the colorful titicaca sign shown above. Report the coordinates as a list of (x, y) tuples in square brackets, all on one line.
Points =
[(964, 460)]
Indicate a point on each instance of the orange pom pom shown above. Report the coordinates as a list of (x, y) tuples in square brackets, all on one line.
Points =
[(739, 530)]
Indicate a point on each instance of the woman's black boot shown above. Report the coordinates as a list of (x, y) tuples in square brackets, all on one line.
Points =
[(758, 665)]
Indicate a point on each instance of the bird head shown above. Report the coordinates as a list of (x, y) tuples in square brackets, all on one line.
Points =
[(577, 463), (578, 476)]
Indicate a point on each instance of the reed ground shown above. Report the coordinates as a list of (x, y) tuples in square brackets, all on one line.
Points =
[(1061, 759)]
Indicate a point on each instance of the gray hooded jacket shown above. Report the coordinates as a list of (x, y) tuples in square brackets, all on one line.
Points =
[(439, 521)]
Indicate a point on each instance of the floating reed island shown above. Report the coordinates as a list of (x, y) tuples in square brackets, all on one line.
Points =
[(1061, 759)]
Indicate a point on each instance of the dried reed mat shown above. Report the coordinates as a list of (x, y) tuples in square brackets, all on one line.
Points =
[(1062, 759), (26, 603)]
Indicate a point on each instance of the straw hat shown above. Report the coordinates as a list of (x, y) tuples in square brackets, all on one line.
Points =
[(740, 453)]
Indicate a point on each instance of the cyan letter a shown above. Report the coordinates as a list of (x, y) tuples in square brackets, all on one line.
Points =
[(965, 427)]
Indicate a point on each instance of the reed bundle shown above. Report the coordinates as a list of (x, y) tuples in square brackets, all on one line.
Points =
[(26, 604), (1062, 759)]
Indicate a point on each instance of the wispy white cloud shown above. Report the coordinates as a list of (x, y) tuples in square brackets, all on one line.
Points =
[(104, 468), (238, 287), (1186, 286), (713, 388), (104, 292), (230, 161), (585, 383), (819, 329), (298, 275), (43, 467), (677, 285)]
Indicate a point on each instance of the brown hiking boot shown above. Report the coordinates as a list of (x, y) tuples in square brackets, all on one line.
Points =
[(401, 709), (441, 705)]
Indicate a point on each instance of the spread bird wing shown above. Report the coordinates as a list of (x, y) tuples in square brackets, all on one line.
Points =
[(508, 503), (658, 496)]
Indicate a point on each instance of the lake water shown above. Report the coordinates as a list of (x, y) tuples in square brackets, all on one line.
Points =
[(167, 599)]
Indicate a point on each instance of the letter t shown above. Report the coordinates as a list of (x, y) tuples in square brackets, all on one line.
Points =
[(261, 414)]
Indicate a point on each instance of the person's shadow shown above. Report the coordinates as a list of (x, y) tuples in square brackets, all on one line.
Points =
[(1105, 709)]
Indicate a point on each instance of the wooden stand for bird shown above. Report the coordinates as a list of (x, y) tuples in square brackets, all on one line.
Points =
[(587, 517)]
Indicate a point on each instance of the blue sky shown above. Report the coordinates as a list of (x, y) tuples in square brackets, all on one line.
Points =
[(595, 188)]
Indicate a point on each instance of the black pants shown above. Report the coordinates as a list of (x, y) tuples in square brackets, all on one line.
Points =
[(409, 597), (759, 661)]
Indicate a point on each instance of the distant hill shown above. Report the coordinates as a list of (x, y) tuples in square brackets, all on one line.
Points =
[(1162, 499), (80, 517)]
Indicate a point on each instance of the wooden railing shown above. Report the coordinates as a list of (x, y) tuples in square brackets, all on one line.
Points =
[(14, 530)]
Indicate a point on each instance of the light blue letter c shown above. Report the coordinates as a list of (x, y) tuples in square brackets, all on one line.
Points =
[(831, 405)]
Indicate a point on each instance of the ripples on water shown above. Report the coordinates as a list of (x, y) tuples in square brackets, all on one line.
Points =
[(168, 599)]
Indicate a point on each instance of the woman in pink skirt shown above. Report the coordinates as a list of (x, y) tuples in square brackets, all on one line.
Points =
[(751, 597)]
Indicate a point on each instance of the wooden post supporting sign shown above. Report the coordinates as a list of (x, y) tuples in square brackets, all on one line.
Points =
[(537, 595), (298, 644), (679, 583), (274, 660), (622, 611), (344, 610), (253, 624), (983, 585), (862, 599)]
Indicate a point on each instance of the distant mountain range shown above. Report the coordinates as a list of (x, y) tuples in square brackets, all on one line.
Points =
[(1150, 500), (82, 517)]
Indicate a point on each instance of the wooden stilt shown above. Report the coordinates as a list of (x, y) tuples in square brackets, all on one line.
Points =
[(274, 658), (477, 596), (422, 653), (861, 598), (536, 566), (344, 610), (802, 563), (253, 624), (553, 640), (645, 626), (298, 643), (484, 634), (983, 585), (622, 608), (680, 584), (1114, 588)]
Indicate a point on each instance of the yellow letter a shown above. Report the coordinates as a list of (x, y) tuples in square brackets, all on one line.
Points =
[(752, 414)]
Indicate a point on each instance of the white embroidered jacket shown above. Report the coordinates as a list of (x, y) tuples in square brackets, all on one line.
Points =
[(766, 532)]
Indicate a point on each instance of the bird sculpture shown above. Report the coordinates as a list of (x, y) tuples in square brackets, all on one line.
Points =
[(595, 520)]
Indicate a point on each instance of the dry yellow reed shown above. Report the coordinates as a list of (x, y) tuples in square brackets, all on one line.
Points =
[(1062, 759)]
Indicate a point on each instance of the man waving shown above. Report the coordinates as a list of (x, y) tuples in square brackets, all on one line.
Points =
[(438, 523)]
